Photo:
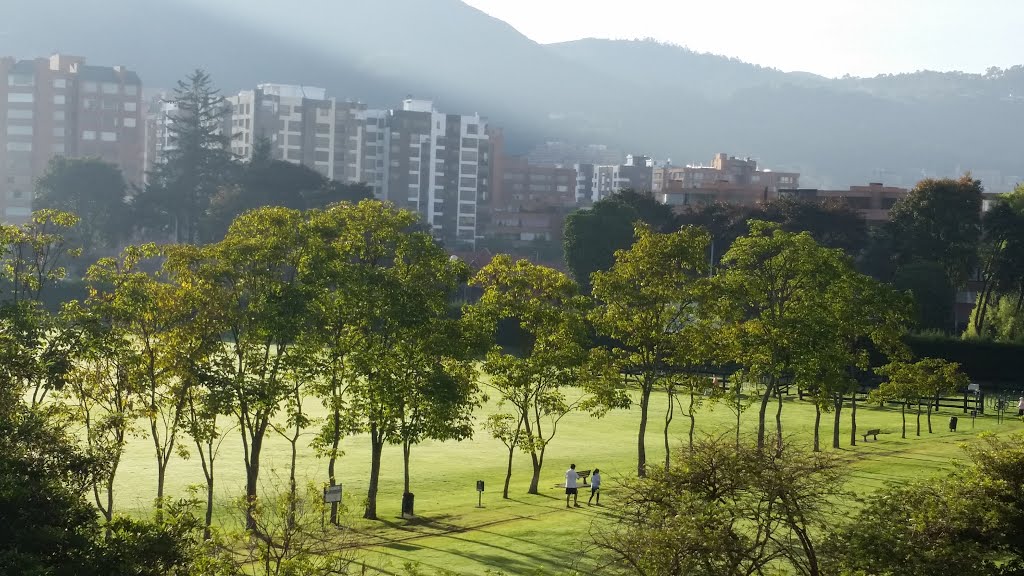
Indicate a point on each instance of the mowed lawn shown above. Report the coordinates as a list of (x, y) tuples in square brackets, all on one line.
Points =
[(531, 534)]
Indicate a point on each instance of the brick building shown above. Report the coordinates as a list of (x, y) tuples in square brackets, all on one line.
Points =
[(59, 106)]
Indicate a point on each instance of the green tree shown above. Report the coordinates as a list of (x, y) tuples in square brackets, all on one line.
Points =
[(104, 392), (196, 163), (593, 235), (966, 522), (939, 221), (551, 375), (1001, 262), (652, 305), (723, 511), (251, 278), (400, 283), (440, 388), (927, 379), (96, 192), (40, 345), (776, 284), (932, 292), (831, 224)]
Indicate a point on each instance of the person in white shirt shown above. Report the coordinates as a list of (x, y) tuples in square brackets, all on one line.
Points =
[(1020, 407), (570, 486), (595, 486)]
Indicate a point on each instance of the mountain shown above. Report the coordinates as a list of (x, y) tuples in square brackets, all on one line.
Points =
[(638, 96)]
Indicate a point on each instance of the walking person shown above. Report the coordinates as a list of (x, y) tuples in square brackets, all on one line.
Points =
[(571, 477), (595, 486), (1020, 407)]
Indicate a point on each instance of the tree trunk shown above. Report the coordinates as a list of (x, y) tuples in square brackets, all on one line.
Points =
[(641, 450), (765, 398), (161, 473), (535, 481), (252, 477), (817, 426), (853, 419), (406, 449), (778, 424), (903, 414), (669, 414), (376, 448), (837, 412), (508, 472), (929, 417), (332, 477), (209, 506), (693, 420), (918, 416)]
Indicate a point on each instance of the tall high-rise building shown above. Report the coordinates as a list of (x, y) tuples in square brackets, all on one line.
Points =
[(421, 159), (297, 122), (438, 165), (59, 106)]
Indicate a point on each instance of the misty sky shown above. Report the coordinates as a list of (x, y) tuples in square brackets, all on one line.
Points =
[(828, 37)]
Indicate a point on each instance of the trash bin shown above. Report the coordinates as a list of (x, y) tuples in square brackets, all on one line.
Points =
[(407, 503), (952, 424)]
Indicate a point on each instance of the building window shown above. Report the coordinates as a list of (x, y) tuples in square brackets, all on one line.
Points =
[(467, 182), (58, 148), (129, 107), (58, 115), (323, 156), (469, 156), (88, 135), (20, 80), (129, 122), (131, 89), (19, 146), (19, 114), (58, 131), (60, 83), (469, 142), (19, 97), (89, 87), (110, 88), (19, 130), (323, 142), (109, 105)]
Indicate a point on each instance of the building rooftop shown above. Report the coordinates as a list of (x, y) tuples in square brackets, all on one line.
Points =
[(293, 91)]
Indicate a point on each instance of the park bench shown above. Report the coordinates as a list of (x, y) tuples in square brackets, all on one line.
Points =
[(582, 474), (875, 432)]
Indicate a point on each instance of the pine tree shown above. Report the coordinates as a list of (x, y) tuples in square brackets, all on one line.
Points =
[(197, 161)]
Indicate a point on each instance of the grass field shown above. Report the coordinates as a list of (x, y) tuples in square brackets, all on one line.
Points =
[(533, 534)]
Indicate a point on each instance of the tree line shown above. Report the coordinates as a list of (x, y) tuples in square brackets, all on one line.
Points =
[(937, 240)]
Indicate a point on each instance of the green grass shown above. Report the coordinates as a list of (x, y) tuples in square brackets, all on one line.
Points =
[(532, 533)]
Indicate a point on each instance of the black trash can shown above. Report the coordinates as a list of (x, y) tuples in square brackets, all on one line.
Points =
[(952, 424), (407, 504)]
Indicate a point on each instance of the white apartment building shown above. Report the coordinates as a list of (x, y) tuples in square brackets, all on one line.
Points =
[(421, 159)]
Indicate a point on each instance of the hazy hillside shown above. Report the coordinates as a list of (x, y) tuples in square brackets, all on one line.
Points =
[(637, 96)]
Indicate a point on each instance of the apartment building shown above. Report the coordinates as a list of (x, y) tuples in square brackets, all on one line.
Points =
[(438, 165), (528, 202), (727, 179), (297, 121), (873, 201), (59, 106), (725, 169), (594, 181)]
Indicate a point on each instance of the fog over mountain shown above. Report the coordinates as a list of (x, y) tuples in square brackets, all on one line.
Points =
[(637, 96)]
